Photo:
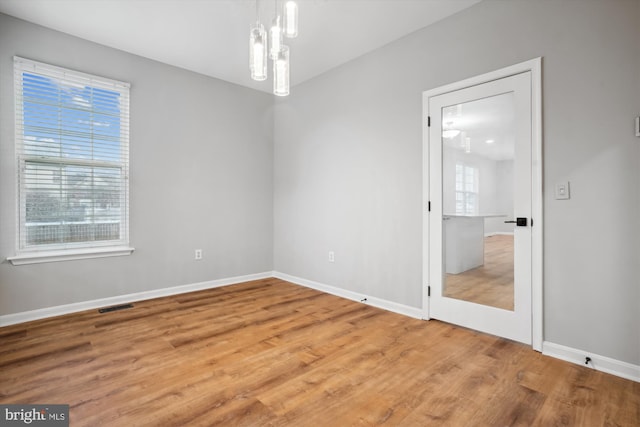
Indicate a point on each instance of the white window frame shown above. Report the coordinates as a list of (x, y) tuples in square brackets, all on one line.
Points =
[(38, 253), (467, 193)]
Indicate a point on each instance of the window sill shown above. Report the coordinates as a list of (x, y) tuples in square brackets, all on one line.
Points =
[(68, 255)]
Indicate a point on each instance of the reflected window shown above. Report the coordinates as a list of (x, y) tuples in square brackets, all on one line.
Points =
[(466, 189)]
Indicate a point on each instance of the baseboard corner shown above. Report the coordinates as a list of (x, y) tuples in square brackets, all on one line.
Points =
[(394, 307), (599, 363)]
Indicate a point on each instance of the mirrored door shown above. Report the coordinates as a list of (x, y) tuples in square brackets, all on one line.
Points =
[(480, 192), (478, 147)]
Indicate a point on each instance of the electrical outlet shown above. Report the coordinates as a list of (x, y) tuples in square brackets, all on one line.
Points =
[(332, 256), (198, 254)]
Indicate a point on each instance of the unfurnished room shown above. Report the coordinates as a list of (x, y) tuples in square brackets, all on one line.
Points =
[(320, 212)]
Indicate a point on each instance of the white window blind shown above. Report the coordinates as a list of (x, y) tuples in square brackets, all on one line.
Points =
[(72, 153)]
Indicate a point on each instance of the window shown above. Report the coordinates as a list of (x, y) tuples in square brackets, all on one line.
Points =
[(466, 189), (72, 153)]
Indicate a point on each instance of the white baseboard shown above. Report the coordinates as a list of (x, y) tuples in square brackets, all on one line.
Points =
[(27, 316), (354, 296), (599, 363), (558, 351)]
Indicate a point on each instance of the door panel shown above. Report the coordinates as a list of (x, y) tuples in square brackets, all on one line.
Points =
[(478, 147), (480, 182)]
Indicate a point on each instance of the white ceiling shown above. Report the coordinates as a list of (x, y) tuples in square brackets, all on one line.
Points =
[(211, 36), (486, 119)]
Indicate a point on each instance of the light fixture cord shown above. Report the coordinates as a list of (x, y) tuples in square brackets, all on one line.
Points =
[(257, 12)]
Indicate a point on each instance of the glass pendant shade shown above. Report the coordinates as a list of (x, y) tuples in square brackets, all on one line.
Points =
[(258, 52), (291, 19), (268, 44), (275, 34), (281, 72)]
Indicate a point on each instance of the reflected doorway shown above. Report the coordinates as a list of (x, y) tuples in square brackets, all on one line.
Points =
[(478, 146)]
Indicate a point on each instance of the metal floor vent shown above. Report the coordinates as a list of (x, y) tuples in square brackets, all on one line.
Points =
[(115, 308)]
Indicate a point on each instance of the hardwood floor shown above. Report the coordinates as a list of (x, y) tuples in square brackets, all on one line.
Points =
[(272, 353), (490, 284)]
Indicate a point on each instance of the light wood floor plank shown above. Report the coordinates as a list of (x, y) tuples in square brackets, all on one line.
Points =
[(490, 284), (270, 353)]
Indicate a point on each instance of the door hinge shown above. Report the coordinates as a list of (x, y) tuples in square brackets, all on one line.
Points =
[(429, 206), (428, 121), (428, 291), (532, 222)]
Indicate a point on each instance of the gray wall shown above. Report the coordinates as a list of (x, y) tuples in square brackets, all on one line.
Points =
[(201, 177), (348, 150)]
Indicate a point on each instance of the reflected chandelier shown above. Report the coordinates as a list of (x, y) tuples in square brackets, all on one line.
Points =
[(272, 47)]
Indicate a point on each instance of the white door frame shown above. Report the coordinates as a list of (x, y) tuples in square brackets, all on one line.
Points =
[(535, 67)]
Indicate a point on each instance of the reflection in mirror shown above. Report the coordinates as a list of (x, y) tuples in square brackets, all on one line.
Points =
[(478, 185)]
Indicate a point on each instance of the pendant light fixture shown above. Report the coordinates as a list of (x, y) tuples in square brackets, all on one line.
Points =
[(291, 19), (275, 37), (275, 34), (263, 46), (281, 72), (467, 145), (258, 50), (448, 131), (258, 53)]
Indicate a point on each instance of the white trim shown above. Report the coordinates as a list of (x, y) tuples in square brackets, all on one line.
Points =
[(63, 72), (599, 363), (394, 307), (537, 248), (535, 67), (68, 255), (426, 184), (509, 71), (27, 316)]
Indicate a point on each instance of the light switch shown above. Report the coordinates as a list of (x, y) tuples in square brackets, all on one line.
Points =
[(562, 190)]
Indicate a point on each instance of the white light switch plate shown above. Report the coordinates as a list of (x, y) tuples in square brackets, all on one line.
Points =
[(562, 190)]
